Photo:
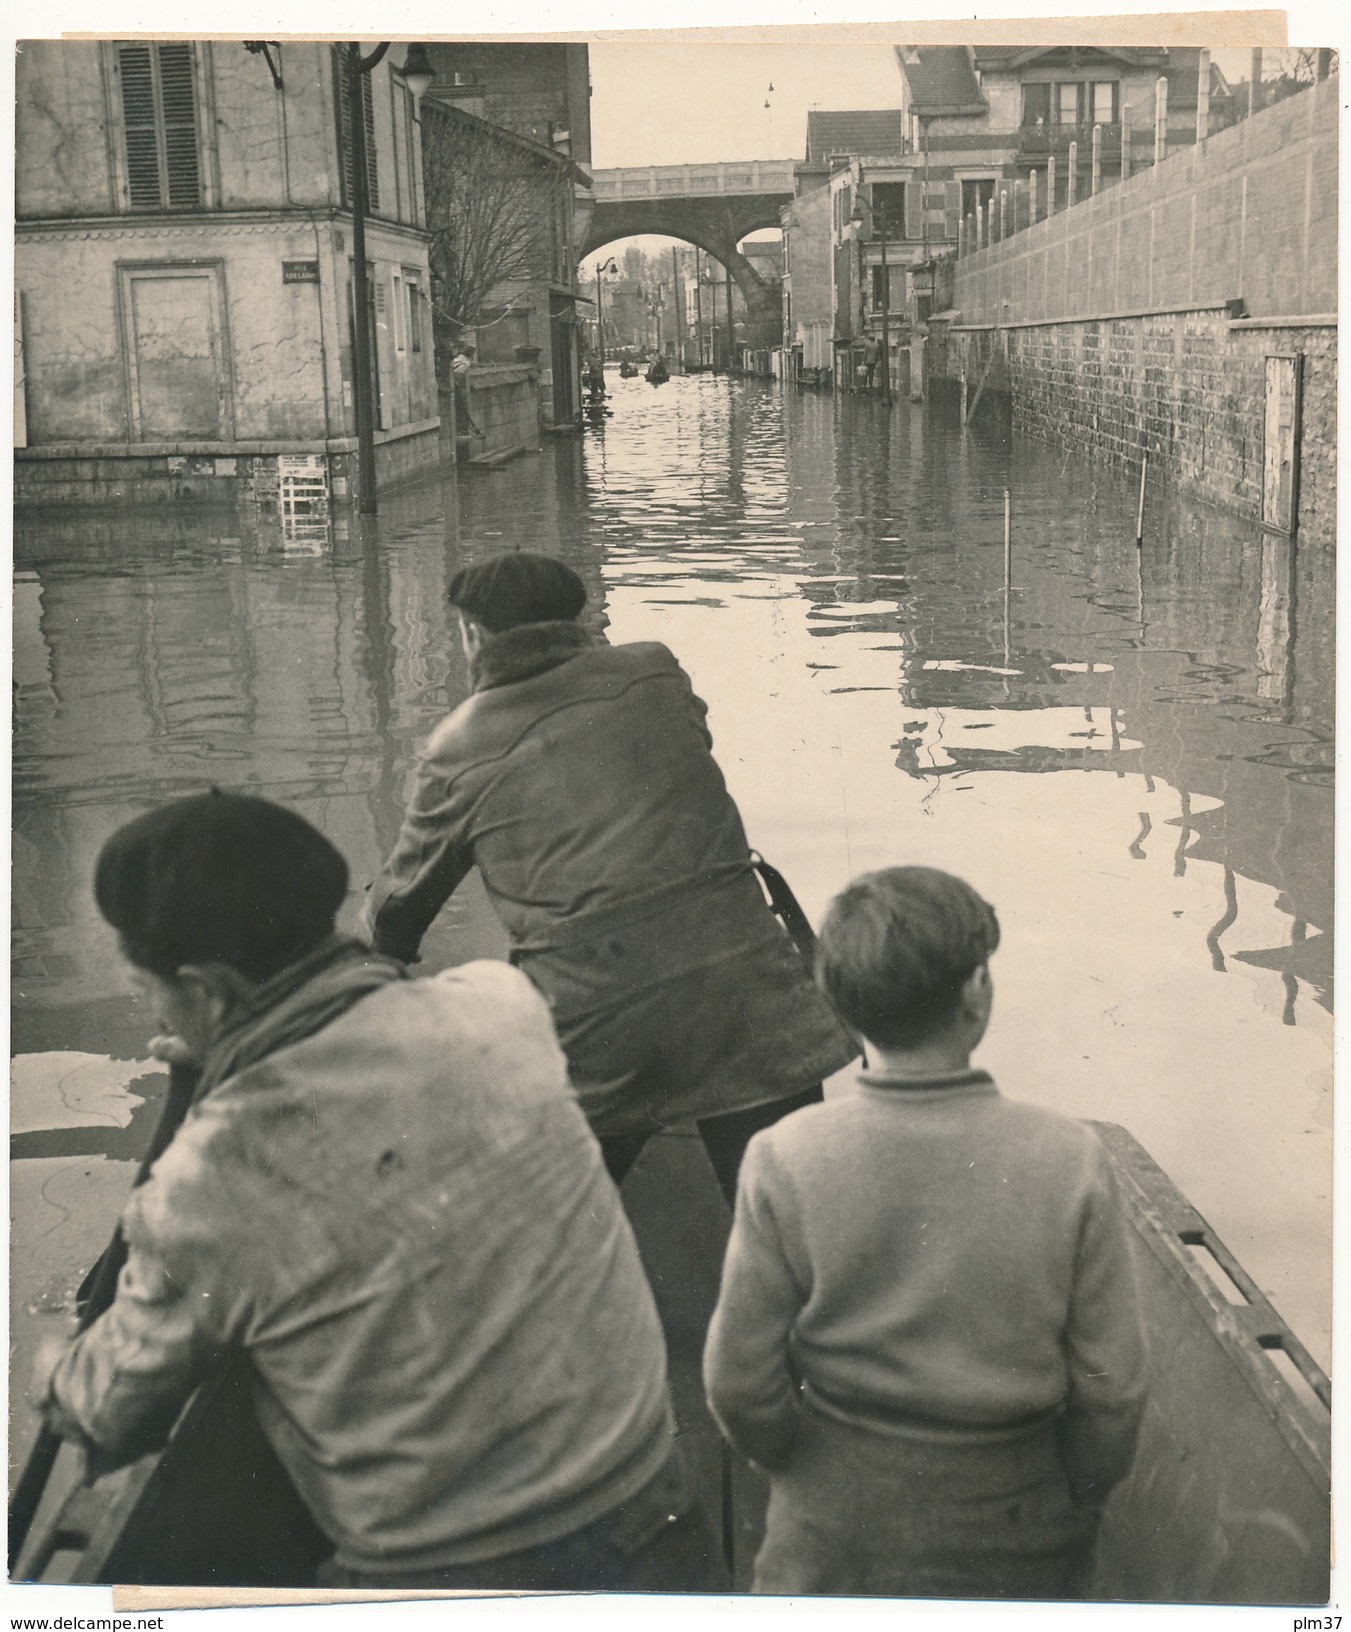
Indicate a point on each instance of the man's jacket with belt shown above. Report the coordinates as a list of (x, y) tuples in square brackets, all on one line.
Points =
[(579, 779)]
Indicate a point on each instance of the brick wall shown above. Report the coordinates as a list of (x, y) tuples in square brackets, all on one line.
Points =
[(1112, 315), (1184, 387)]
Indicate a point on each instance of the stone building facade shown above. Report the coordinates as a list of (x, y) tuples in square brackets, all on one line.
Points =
[(183, 269)]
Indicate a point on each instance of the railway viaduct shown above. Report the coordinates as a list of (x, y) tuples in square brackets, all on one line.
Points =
[(713, 206)]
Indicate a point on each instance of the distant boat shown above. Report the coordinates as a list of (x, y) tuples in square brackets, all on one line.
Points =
[(626, 370), (658, 373)]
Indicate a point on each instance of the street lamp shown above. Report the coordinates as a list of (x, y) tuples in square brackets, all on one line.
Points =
[(879, 216), (418, 75), (418, 72), (606, 266)]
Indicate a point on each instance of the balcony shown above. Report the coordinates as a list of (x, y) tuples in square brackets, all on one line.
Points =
[(1041, 142)]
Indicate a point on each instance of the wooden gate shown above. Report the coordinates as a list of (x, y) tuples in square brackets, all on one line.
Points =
[(1280, 444)]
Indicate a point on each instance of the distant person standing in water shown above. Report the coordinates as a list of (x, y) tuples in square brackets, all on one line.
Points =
[(578, 777)]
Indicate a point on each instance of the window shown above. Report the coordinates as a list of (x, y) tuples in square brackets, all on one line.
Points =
[(882, 289), (976, 195), (1068, 103), (1036, 105), (414, 287), (889, 208), (343, 79), (159, 121), (1104, 102), (410, 150)]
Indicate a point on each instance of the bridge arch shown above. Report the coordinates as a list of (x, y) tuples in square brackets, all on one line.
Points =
[(712, 207)]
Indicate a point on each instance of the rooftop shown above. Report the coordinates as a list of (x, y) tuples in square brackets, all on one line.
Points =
[(875, 131), (942, 79)]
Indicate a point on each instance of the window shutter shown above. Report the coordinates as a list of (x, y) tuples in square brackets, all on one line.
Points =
[(138, 118), (180, 124), (159, 119), (952, 209), (345, 131), (914, 209)]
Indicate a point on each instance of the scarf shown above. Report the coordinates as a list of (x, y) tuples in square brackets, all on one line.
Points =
[(296, 1003), (528, 649)]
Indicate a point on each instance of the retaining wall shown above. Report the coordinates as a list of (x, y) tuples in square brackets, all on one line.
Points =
[(504, 412), (1249, 214), (1185, 388), (1109, 327)]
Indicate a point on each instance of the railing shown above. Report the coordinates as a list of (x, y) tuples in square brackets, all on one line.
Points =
[(1064, 165), (694, 180), (1039, 141)]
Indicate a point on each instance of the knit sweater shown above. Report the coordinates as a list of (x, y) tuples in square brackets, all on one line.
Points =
[(927, 1256)]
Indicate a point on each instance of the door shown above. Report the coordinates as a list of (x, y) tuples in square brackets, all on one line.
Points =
[(1280, 445), (176, 373)]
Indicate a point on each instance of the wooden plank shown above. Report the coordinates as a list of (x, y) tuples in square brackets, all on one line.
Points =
[(1229, 1499)]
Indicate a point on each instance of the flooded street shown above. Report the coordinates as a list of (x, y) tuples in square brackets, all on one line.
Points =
[(1128, 752)]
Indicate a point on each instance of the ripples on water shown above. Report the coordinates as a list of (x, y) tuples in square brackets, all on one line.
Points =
[(1128, 752)]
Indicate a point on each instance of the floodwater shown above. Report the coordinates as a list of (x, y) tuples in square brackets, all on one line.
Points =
[(1129, 752)]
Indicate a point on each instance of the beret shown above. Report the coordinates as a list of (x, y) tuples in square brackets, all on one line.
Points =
[(518, 586), (220, 877)]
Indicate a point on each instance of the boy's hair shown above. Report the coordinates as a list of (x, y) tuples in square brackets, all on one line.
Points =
[(896, 949)]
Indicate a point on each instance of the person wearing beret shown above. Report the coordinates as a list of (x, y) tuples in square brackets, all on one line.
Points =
[(385, 1195), (579, 779)]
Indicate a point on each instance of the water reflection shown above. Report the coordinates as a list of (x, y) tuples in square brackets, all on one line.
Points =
[(880, 689)]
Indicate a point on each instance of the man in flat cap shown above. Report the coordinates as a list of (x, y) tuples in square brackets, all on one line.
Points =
[(579, 778), (385, 1196)]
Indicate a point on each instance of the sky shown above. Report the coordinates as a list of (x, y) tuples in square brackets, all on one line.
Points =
[(694, 104), (660, 103)]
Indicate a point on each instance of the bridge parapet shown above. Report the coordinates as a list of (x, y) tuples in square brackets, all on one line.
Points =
[(672, 181)]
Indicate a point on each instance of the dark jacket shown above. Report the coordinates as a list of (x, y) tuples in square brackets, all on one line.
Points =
[(578, 778)]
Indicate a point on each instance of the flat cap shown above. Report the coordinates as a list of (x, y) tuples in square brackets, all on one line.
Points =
[(518, 586), (219, 877)]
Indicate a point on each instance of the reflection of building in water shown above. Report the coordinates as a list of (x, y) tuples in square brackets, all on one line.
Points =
[(1213, 684), (154, 658)]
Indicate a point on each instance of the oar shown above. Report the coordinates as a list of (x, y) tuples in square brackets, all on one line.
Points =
[(96, 1293)]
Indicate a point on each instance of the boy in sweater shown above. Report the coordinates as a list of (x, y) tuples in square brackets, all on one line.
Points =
[(928, 1332)]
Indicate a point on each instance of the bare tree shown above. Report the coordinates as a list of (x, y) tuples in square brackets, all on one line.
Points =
[(492, 211)]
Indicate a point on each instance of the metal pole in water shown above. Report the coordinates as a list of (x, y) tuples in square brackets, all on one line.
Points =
[(1140, 512), (1008, 571)]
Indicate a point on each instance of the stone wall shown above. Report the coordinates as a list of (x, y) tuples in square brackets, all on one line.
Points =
[(1250, 214), (1138, 322), (1185, 388), (504, 412)]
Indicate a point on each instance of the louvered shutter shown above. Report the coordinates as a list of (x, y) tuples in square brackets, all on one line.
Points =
[(952, 209), (141, 126), (914, 209), (345, 131), (177, 101), (159, 119)]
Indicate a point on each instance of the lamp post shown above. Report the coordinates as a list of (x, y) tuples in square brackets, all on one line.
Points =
[(418, 75), (699, 306), (879, 216), (601, 267)]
